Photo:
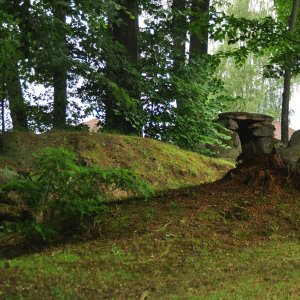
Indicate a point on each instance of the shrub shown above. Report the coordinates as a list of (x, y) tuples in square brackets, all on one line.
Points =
[(60, 193)]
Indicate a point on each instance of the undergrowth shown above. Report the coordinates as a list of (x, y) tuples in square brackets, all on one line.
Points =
[(59, 194)]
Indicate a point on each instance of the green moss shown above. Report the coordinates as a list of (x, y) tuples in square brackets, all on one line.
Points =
[(163, 165)]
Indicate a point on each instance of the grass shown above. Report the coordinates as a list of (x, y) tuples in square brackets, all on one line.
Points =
[(262, 271), (163, 165), (211, 241), (180, 247)]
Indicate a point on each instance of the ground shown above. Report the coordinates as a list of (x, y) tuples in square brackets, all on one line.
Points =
[(210, 241), (206, 242)]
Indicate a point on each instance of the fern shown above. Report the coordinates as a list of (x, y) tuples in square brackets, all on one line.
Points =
[(61, 193)]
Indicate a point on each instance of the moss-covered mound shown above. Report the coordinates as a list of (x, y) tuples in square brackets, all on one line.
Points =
[(163, 165)]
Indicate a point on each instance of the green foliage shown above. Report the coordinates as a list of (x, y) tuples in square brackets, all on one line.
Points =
[(254, 92), (61, 194), (7, 175), (262, 36), (203, 97)]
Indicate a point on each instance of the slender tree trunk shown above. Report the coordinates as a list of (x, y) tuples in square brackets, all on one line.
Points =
[(199, 28), (16, 100), (125, 33), (60, 70), (2, 115), (3, 103), (287, 82)]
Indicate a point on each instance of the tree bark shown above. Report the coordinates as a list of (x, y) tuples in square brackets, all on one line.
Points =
[(179, 30), (287, 82), (2, 115), (3, 97), (16, 99), (125, 33), (199, 32), (60, 70), (179, 36)]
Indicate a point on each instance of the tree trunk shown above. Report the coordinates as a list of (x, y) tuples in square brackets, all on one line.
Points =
[(3, 97), (125, 33), (179, 33), (179, 30), (285, 107), (16, 100), (199, 28), (2, 115), (60, 70), (287, 82)]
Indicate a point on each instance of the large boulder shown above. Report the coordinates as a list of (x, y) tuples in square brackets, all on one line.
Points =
[(291, 155), (295, 139)]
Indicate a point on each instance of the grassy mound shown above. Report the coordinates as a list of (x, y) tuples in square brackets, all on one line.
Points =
[(162, 165), (222, 240)]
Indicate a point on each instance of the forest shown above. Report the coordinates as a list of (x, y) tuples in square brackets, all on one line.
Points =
[(136, 65), (188, 189)]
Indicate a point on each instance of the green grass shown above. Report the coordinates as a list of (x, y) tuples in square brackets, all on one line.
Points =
[(163, 165), (262, 271), (182, 247), (205, 242)]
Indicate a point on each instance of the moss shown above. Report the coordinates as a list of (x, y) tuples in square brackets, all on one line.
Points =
[(163, 165)]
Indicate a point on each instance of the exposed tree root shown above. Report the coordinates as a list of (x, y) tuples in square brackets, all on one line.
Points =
[(261, 174)]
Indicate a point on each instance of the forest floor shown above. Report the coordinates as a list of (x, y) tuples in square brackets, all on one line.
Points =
[(209, 241)]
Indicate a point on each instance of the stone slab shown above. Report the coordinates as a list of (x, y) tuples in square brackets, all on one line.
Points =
[(264, 131), (246, 116)]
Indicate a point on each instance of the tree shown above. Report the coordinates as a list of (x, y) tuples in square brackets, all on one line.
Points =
[(124, 28), (287, 80), (199, 27), (13, 49), (267, 36), (179, 33), (59, 64), (253, 91)]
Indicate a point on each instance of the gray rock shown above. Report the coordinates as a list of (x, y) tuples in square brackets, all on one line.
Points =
[(290, 155), (246, 116), (265, 131), (265, 145), (233, 149), (295, 139), (230, 124), (259, 125)]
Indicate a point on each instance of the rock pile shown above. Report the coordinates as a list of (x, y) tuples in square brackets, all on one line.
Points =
[(252, 128), (256, 134)]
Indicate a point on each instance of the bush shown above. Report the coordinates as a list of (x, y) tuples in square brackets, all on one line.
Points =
[(61, 194)]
